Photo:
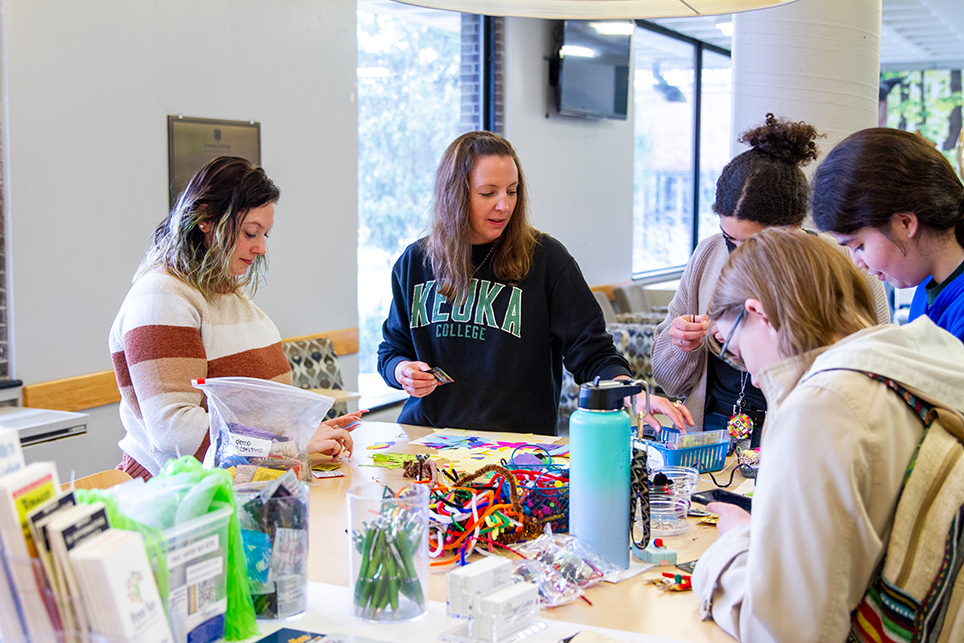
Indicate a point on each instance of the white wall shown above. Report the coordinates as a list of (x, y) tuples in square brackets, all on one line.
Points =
[(90, 85), (580, 171)]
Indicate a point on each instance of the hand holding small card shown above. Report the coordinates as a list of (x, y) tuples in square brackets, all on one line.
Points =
[(440, 375)]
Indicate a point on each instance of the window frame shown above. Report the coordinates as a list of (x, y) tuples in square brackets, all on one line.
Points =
[(484, 110), (699, 48)]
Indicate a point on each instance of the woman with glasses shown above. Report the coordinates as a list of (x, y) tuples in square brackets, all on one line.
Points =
[(799, 319), (895, 202), (761, 188)]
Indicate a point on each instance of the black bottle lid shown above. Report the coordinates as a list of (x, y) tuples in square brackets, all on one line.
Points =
[(606, 395)]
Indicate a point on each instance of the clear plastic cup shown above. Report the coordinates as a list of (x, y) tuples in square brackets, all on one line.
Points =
[(388, 552), (684, 479), (667, 516)]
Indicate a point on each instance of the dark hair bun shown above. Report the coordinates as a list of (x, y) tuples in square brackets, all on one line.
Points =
[(784, 140)]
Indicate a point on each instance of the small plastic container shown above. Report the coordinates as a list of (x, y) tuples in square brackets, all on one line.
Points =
[(692, 439), (667, 516), (196, 558), (388, 552), (684, 479), (274, 529)]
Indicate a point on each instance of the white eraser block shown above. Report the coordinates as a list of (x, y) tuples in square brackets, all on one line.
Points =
[(464, 583), (505, 610)]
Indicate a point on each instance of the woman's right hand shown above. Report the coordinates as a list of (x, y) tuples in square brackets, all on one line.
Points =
[(687, 334), (414, 379)]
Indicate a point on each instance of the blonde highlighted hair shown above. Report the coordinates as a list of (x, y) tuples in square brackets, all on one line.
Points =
[(448, 247), (220, 195), (811, 293)]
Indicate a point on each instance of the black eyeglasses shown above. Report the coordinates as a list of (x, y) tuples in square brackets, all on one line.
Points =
[(723, 352), (729, 238)]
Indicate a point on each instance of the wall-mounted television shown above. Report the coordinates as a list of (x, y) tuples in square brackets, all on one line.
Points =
[(590, 68)]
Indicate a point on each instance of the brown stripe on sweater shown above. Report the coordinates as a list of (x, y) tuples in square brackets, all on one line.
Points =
[(156, 342), (169, 375), (120, 369), (265, 363)]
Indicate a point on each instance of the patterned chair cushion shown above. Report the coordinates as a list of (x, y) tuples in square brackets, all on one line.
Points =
[(315, 365), (635, 342)]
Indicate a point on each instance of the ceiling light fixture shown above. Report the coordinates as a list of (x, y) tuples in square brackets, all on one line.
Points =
[(597, 9), (725, 25), (613, 27)]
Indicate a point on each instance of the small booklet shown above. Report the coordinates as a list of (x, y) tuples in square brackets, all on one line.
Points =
[(65, 530), (113, 567), (11, 460), (288, 635), (21, 491), (11, 453), (37, 519)]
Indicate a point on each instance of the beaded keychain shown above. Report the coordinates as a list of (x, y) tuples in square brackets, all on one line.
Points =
[(740, 425)]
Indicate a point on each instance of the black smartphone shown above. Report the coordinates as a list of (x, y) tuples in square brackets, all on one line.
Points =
[(722, 495)]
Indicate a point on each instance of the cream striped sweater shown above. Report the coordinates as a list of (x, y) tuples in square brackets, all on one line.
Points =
[(167, 334)]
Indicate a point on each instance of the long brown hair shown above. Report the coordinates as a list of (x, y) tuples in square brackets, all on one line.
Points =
[(221, 193), (448, 246), (810, 291)]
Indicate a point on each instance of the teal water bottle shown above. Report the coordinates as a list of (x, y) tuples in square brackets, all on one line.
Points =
[(600, 450)]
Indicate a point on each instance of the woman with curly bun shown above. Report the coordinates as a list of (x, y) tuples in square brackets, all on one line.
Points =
[(761, 188), (895, 202)]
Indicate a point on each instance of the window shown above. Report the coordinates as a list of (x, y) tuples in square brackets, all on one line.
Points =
[(681, 93), (928, 101), (422, 80)]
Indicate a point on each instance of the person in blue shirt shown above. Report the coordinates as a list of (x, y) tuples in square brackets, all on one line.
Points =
[(896, 203)]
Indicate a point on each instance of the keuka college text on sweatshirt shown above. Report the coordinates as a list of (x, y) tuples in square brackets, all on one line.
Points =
[(503, 344)]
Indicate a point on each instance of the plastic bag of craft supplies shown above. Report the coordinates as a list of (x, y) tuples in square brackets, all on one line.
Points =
[(258, 428)]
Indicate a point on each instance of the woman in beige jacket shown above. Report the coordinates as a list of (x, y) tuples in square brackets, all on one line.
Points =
[(799, 319)]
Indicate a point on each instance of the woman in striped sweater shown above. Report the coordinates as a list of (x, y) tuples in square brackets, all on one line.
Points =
[(189, 315)]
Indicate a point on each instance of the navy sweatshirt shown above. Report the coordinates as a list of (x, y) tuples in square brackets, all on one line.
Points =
[(504, 346)]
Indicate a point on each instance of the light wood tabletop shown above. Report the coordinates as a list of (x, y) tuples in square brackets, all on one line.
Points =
[(632, 605)]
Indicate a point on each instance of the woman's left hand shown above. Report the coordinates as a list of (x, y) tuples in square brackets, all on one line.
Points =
[(333, 436), (675, 411)]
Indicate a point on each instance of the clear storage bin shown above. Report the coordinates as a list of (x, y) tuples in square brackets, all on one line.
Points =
[(196, 554), (274, 529)]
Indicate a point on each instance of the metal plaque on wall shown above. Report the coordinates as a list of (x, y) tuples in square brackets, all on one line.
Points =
[(192, 142)]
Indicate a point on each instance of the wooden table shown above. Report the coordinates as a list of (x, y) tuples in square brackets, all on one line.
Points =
[(632, 605)]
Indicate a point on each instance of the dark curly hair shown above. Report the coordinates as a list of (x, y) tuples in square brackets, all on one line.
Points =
[(765, 184)]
